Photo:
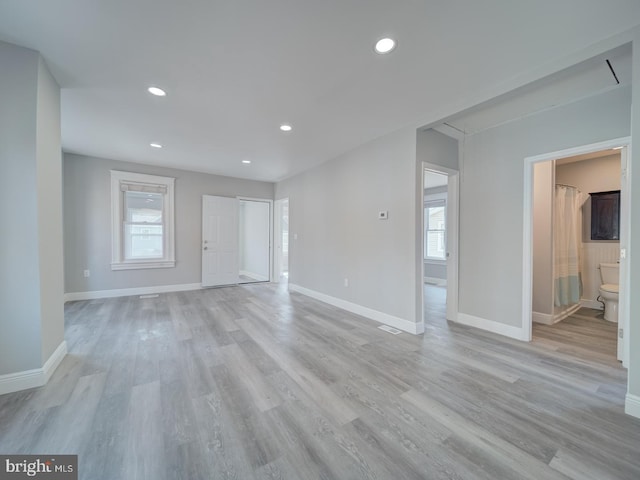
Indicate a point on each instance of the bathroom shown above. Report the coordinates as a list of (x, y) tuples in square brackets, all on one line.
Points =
[(569, 294)]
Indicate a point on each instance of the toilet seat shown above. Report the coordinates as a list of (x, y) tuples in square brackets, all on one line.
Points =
[(611, 288)]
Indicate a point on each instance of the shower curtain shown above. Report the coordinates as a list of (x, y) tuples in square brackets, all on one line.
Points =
[(567, 277)]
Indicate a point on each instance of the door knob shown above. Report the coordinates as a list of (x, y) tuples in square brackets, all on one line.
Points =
[(205, 248)]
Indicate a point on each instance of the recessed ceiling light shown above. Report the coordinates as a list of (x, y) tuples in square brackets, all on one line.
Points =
[(285, 127), (246, 162), (385, 45), (155, 145), (158, 92)]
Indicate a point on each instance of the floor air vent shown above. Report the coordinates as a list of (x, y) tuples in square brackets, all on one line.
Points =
[(151, 295), (389, 329)]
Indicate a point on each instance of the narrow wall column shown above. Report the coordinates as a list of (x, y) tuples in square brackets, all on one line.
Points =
[(31, 278)]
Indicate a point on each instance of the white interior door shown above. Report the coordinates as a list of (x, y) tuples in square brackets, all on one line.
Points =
[(219, 241)]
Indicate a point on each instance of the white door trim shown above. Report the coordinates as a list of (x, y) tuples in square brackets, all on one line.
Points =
[(527, 215), (453, 214)]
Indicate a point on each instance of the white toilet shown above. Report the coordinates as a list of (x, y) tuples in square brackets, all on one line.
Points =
[(610, 276)]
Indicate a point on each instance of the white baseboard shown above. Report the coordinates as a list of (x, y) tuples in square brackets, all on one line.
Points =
[(385, 318), (492, 326), (14, 382), (543, 318), (126, 292), (632, 405)]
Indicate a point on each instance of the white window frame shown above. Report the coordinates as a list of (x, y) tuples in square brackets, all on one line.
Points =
[(118, 179), (435, 200)]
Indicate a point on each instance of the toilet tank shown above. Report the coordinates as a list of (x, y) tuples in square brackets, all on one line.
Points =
[(610, 273)]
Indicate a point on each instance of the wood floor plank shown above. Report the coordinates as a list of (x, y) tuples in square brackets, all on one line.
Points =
[(254, 382)]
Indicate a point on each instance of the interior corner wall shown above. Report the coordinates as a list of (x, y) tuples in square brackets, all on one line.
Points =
[(491, 196), (87, 223), (335, 232), (31, 301)]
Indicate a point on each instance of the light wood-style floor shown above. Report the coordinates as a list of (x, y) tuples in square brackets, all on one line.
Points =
[(252, 382)]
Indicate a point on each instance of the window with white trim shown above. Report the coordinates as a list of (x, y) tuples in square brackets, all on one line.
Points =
[(142, 221), (435, 233)]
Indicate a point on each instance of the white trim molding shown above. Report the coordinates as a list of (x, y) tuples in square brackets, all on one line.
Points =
[(492, 326), (127, 292), (121, 181), (14, 382), (385, 318), (544, 318), (632, 405)]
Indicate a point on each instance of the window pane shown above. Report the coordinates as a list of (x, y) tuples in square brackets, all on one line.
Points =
[(436, 218), (143, 241), (143, 207), (435, 226), (435, 244)]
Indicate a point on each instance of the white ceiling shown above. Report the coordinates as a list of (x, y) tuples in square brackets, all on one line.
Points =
[(579, 81), (236, 69)]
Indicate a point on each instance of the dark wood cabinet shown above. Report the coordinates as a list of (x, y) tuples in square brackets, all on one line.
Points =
[(605, 215)]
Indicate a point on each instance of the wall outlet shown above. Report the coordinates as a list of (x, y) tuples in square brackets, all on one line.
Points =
[(295, 236), (383, 214), (346, 282), (87, 274)]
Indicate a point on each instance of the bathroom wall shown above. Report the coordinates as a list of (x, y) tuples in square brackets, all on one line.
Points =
[(599, 174), (543, 192)]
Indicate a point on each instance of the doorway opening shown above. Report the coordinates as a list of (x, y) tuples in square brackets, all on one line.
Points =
[(236, 240), (254, 236), (567, 252), (439, 244)]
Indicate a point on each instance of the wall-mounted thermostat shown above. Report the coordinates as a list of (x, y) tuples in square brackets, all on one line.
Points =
[(383, 215)]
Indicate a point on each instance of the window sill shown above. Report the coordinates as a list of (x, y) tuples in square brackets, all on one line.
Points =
[(142, 265)]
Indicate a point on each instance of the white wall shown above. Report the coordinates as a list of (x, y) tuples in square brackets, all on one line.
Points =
[(333, 210), (87, 223), (491, 251), (31, 302), (254, 236)]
